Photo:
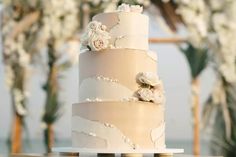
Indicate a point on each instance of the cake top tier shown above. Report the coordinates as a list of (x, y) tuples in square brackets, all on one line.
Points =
[(125, 28)]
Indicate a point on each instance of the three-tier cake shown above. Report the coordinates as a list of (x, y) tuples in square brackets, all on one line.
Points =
[(121, 98)]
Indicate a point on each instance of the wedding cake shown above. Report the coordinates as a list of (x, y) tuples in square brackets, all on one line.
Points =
[(121, 98)]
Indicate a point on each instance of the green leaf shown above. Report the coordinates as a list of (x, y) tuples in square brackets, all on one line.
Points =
[(197, 59)]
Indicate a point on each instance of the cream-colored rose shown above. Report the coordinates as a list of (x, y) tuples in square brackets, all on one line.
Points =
[(94, 25), (124, 7), (136, 8), (159, 86), (98, 43), (145, 94), (96, 37), (158, 96), (103, 27), (148, 78)]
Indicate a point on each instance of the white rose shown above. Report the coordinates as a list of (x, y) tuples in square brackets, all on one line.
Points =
[(148, 78), (98, 43), (103, 27), (124, 7), (136, 8), (145, 94), (96, 36), (94, 26), (159, 86), (159, 97)]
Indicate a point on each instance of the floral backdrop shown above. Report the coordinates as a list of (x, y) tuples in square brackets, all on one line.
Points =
[(214, 28)]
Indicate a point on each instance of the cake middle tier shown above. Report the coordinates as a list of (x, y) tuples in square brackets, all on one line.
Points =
[(111, 74)]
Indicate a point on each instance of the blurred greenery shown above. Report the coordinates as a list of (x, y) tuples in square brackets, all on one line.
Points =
[(197, 59), (220, 116)]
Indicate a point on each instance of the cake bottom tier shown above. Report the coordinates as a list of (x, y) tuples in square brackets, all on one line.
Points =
[(118, 125)]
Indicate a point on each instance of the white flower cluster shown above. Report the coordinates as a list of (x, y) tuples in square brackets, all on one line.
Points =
[(195, 15), (96, 37), (130, 8), (59, 21), (19, 97), (224, 27), (151, 88), (16, 58), (213, 22), (59, 24), (14, 50)]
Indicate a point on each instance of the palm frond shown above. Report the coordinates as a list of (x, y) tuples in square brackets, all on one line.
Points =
[(220, 143), (52, 109), (197, 59), (52, 104)]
